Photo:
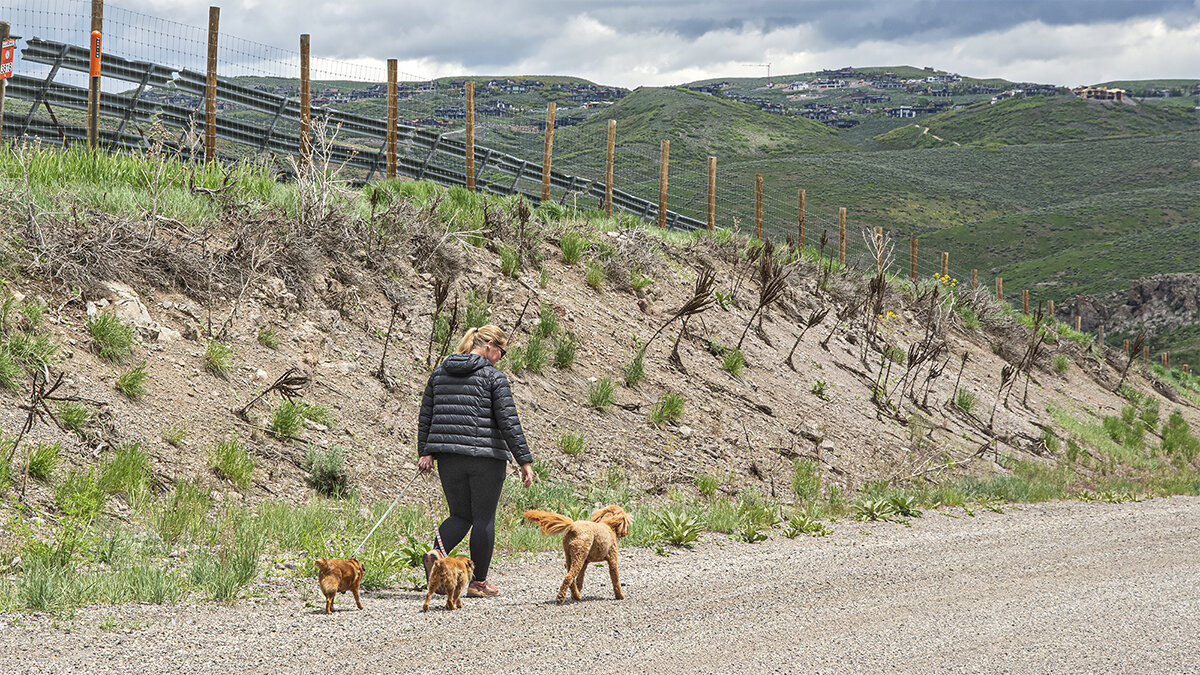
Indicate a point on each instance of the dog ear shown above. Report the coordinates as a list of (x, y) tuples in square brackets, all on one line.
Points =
[(621, 524), (320, 563)]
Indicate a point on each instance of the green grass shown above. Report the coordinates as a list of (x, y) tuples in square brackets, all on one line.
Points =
[(268, 338), (601, 393), (668, 408), (594, 276), (176, 435), (547, 324), (571, 443), (635, 371), (127, 472), (132, 383), (534, 354), (573, 245), (1062, 364), (510, 261), (806, 480), (707, 484), (733, 361), (966, 400), (287, 419), (229, 459), (218, 358), (74, 417), (565, 346), (114, 340), (183, 513), (43, 459)]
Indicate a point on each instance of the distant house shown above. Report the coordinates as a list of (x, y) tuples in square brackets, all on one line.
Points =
[(941, 93), (842, 123), (1100, 93), (981, 89), (943, 78), (902, 111), (887, 84), (798, 86), (866, 99)]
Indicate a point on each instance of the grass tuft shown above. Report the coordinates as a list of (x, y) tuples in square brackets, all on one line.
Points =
[(327, 471), (571, 443), (43, 459), (601, 393), (113, 338), (230, 460), (132, 383), (268, 338), (668, 408), (218, 358), (74, 417)]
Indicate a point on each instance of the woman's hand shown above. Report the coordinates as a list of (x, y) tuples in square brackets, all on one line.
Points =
[(527, 474), (425, 463)]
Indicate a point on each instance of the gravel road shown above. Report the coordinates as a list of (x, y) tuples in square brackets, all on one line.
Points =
[(1062, 587)]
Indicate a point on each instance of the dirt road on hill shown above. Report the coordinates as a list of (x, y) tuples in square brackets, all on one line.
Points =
[(1064, 587)]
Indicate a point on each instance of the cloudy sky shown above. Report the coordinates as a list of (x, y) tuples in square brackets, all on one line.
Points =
[(663, 42)]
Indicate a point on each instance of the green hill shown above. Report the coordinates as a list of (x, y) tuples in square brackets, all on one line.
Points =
[(1042, 119)]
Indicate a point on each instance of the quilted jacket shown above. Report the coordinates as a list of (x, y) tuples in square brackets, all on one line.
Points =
[(468, 409)]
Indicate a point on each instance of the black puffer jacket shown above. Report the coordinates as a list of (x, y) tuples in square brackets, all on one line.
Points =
[(468, 409)]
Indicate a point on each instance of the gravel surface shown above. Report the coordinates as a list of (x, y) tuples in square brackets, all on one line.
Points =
[(1062, 587)]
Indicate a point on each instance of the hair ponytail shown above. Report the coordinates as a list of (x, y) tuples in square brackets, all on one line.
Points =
[(467, 343), (475, 338)]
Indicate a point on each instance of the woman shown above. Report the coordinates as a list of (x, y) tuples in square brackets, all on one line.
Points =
[(469, 426)]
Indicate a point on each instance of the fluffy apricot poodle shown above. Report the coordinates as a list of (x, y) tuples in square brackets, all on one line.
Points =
[(586, 541)]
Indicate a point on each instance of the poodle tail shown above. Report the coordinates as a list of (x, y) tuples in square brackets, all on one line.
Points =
[(551, 523)]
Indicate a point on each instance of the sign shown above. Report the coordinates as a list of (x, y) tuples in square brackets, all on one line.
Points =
[(95, 69), (7, 50)]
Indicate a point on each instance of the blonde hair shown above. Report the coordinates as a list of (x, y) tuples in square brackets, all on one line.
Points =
[(478, 337)]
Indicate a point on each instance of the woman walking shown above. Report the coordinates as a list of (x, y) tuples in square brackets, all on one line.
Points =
[(469, 426)]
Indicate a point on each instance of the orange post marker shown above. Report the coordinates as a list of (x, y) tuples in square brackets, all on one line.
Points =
[(95, 66)]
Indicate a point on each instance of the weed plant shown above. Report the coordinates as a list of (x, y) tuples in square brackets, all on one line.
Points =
[(668, 408), (510, 261), (573, 245), (114, 339), (707, 484), (175, 435), (601, 393), (547, 321), (571, 443), (132, 383), (268, 338), (183, 514), (327, 471), (231, 460), (1062, 364), (966, 400), (43, 459), (679, 529), (218, 358), (594, 276), (806, 480), (534, 354), (74, 417), (635, 372), (127, 473), (565, 346), (733, 361)]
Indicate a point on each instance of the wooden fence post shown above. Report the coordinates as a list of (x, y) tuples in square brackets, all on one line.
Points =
[(878, 250), (974, 279), (758, 197), (1078, 324), (800, 241), (999, 289), (470, 149), (608, 167), (1100, 337), (393, 116), (1024, 302), (93, 112), (305, 103), (548, 151), (1127, 347), (945, 263), (912, 259), (712, 193), (1166, 360), (842, 235), (1185, 369), (1050, 308), (664, 163), (210, 87), (1146, 354)]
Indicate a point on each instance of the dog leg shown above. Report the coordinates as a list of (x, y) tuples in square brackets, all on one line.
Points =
[(357, 600), (612, 573), (452, 597), (577, 587), (428, 595), (329, 604), (569, 582)]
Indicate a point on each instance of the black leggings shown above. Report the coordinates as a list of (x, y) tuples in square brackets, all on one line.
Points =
[(472, 486)]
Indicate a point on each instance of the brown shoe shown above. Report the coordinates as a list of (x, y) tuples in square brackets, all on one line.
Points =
[(482, 589), (428, 560)]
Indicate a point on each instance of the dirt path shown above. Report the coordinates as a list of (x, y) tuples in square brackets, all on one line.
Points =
[(1065, 587)]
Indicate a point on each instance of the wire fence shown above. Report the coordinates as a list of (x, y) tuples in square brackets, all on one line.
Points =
[(154, 70)]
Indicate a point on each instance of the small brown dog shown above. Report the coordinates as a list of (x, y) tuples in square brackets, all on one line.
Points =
[(449, 575), (586, 541), (338, 576)]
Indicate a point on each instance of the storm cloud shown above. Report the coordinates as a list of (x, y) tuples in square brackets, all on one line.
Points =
[(631, 43)]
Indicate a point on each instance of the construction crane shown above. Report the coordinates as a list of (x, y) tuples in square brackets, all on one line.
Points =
[(761, 65)]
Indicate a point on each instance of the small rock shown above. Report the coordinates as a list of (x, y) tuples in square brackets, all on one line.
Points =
[(826, 447), (685, 431), (290, 565), (260, 374)]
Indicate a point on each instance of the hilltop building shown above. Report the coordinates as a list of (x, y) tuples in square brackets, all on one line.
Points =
[(1100, 93)]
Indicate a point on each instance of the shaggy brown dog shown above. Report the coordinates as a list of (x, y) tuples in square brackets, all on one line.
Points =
[(338, 576), (586, 541), (452, 575)]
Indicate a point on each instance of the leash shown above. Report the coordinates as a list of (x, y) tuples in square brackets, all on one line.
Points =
[(385, 513), (437, 536)]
